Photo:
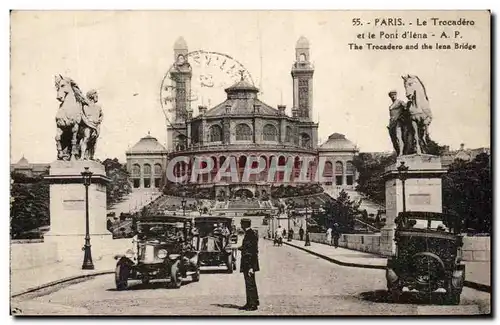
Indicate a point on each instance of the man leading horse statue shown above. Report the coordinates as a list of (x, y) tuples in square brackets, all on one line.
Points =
[(78, 121), (409, 122)]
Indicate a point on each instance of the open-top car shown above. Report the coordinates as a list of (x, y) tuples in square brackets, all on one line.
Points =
[(428, 255), (164, 248), (217, 241)]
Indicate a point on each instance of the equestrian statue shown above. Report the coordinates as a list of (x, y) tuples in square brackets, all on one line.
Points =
[(78, 121), (409, 122)]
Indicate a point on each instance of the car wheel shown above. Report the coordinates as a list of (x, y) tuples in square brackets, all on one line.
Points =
[(452, 298), (395, 294), (229, 263), (121, 276), (175, 275), (196, 276)]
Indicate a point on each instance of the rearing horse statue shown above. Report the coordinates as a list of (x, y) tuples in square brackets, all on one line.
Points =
[(77, 120), (68, 117), (420, 113)]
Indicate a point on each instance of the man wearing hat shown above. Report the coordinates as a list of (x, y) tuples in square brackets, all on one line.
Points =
[(249, 264), (396, 122)]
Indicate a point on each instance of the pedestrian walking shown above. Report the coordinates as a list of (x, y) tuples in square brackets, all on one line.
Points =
[(290, 234), (278, 238), (336, 235), (329, 236), (284, 233), (249, 264), (301, 233)]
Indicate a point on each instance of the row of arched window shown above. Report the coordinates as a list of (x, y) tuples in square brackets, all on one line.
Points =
[(269, 132), (146, 169)]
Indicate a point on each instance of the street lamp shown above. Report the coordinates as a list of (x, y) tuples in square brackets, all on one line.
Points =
[(289, 235), (308, 241), (403, 175), (87, 258), (183, 204)]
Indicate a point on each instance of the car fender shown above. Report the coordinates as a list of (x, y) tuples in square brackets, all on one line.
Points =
[(123, 260)]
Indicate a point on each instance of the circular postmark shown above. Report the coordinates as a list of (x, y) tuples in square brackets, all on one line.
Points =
[(211, 73)]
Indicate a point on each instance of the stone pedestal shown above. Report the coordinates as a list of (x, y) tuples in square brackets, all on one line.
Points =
[(422, 192), (67, 209)]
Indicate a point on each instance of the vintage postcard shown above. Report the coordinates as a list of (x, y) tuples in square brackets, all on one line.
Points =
[(250, 163)]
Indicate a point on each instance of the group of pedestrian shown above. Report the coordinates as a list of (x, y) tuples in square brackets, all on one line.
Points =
[(333, 235)]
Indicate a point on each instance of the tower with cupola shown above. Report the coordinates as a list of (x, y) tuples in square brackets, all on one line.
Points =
[(302, 75)]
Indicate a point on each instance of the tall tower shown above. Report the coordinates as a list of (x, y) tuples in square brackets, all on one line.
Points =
[(181, 74), (302, 75)]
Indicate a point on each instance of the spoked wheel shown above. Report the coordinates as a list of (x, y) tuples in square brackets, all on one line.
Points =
[(175, 275), (196, 275), (121, 276)]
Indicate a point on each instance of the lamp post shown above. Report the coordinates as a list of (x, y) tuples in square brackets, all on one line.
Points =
[(403, 175), (87, 257), (307, 241), (289, 236), (183, 204)]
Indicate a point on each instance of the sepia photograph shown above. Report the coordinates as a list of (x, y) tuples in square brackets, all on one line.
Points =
[(250, 163)]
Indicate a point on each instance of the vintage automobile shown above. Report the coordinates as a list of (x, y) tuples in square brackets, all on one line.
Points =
[(428, 255), (164, 248), (218, 241)]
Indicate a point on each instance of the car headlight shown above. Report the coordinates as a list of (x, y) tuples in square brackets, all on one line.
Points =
[(129, 253), (162, 253)]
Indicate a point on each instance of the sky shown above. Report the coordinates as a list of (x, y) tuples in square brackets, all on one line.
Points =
[(125, 55)]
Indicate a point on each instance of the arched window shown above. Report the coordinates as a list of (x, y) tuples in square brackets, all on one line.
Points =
[(136, 170), (302, 57), (181, 142), (147, 169), (147, 176), (243, 132), (339, 173), (157, 169), (349, 172), (270, 133), (289, 134), (305, 140), (215, 133)]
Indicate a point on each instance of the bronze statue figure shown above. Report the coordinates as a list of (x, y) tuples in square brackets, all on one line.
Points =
[(419, 111), (409, 122), (78, 121), (397, 127)]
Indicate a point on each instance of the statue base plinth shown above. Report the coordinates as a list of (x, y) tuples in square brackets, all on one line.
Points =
[(422, 192), (68, 208)]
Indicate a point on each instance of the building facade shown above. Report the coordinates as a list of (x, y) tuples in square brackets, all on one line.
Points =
[(146, 163), (23, 166), (245, 129)]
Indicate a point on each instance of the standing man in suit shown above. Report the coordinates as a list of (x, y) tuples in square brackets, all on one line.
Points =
[(249, 264)]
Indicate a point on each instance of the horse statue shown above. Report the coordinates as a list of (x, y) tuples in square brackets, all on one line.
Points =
[(76, 121), (420, 115)]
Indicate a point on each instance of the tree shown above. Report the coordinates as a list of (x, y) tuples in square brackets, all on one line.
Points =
[(29, 204), (370, 169), (342, 210), (119, 186), (467, 192)]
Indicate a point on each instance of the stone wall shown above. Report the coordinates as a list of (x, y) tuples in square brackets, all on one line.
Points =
[(475, 249), (27, 256)]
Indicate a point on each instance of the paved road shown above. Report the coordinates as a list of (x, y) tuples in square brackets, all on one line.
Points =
[(291, 282)]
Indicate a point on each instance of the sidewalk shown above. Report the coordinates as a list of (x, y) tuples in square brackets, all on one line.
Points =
[(477, 274), (22, 281)]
